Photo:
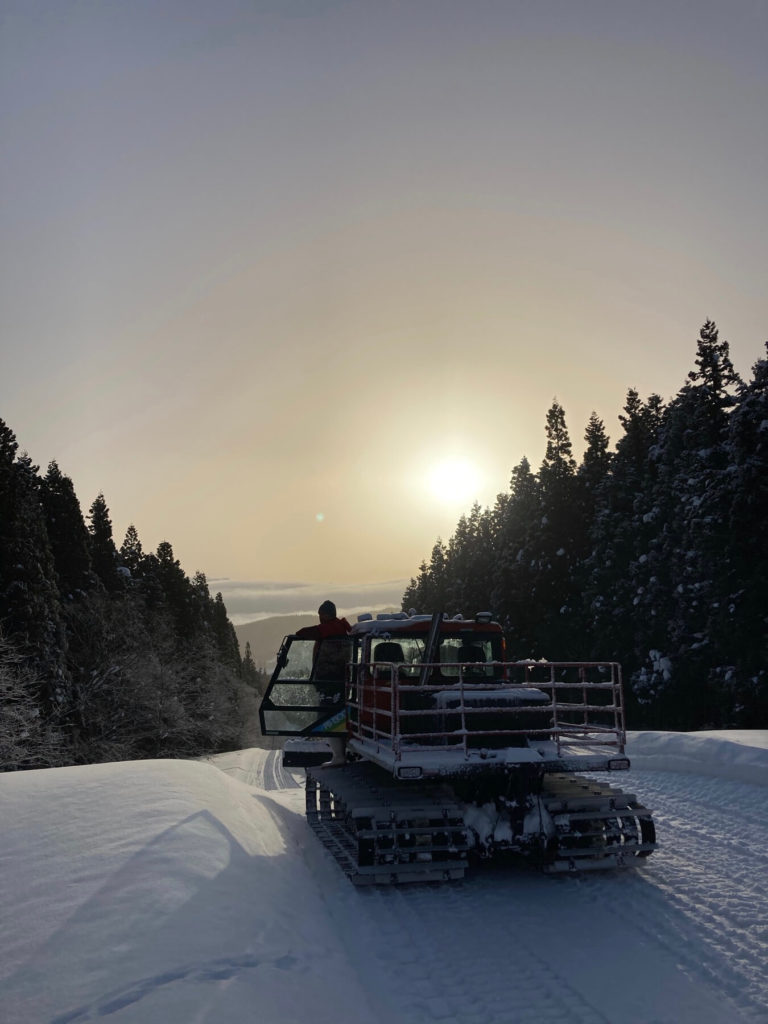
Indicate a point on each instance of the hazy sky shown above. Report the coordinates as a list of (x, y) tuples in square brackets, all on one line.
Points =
[(266, 262)]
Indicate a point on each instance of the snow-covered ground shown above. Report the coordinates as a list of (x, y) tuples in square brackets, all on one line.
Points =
[(173, 892)]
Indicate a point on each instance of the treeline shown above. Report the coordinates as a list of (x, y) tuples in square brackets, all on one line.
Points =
[(654, 554), (105, 654)]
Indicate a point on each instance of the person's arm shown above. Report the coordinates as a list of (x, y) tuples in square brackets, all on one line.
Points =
[(308, 633)]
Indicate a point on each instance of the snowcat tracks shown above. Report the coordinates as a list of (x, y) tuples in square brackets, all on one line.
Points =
[(597, 827), (383, 832), (380, 832)]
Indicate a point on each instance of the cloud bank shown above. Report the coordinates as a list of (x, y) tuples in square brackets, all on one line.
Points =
[(250, 600)]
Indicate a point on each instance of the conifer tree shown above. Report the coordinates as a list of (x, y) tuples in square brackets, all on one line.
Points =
[(131, 554), (67, 534), (102, 546), (514, 595), (469, 562), (429, 591), (691, 459), (714, 372), (178, 592), (597, 459), (665, 538), (226, 638), (623, 525), (251, 674), (202, 604), (738, 620), (150, 669), (27, 738), (555, 551), (30, 611)]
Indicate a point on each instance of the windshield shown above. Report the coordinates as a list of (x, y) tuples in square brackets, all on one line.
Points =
[(474, 652)]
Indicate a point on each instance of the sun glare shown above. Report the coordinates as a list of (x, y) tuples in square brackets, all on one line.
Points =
[(454, 481)]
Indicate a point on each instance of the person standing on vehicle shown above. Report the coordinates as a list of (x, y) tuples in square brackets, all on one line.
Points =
[(331, 651), (329, 624)]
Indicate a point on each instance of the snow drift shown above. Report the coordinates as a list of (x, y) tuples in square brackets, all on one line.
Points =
[(167, 892)]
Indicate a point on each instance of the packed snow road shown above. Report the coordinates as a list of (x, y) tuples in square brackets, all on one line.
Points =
[(172, 892), (685, 938), (260, 768)]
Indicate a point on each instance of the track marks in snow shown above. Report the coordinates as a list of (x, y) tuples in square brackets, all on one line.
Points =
[(465, 961), (703, 894), (218, 971), (262, 769), (456, 953), (278, 777), (680, 938), (685, 937)]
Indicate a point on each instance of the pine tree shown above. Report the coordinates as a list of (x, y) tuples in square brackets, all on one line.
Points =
[(102, 546), (152, 669), (251, 674), (597, 459), (621, 566), (469, 562), (429, 591), (177, 590), (30, 611), (514, 596), (556, 543), (665, 539), (558, 465), (226, 637), (67, 534), (692, 461), (27, 738), (738, 621), (590, 481), (131, 554), (714, 372)]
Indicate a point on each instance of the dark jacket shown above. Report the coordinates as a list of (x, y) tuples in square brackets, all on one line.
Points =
[(329, 660)]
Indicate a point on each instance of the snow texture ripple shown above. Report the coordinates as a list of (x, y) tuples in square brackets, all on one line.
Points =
[(173, 892)]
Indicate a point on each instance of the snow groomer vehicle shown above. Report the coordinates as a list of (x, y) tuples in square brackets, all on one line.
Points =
[(424, 748)]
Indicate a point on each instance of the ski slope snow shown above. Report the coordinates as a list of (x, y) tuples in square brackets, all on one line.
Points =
[(173, 892)]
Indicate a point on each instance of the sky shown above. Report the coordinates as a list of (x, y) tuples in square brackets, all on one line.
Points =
[(293, 282)]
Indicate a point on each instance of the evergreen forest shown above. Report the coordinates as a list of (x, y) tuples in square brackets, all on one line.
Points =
[(106, 653), (653, 553)]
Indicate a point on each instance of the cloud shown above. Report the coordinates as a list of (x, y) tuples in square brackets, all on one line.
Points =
[(249, 600)]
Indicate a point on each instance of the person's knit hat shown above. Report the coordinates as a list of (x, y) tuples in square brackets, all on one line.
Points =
[(327, 608)]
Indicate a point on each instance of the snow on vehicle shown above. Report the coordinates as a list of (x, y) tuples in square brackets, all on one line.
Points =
[(423, 747)]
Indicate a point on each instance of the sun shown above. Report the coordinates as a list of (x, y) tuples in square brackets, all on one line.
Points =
[(454, 481)]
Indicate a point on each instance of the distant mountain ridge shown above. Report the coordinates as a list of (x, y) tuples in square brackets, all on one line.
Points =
[(265, 635)]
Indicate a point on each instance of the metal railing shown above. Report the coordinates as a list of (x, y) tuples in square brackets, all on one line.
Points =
[(463, 706)]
